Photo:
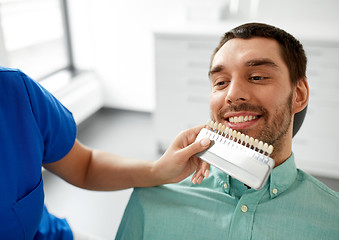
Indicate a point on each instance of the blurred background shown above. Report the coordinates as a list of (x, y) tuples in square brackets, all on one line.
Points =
[(134, 74)]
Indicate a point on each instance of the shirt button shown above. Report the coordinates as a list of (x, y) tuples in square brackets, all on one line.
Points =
[(274, 191), (225, 186), (244, 208)]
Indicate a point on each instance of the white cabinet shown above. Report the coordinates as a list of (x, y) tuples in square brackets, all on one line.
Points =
[(183, 88), (182, 83), (316, 146)]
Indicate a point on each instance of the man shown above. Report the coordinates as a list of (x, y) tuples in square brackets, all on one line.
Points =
[(257, 72), (36, 129)]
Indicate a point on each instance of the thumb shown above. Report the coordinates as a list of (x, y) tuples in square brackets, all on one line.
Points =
[(196, 147)]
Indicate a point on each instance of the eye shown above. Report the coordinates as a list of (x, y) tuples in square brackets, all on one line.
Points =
[(220, 81), (257, 78), (219, 85)]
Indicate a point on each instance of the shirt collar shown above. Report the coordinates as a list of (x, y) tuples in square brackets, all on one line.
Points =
[(282, 177)]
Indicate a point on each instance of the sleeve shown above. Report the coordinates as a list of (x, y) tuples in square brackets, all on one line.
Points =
[(53, 228), (56, 123)]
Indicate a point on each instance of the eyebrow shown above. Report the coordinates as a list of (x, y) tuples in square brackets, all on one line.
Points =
[(260, 62), (216, 69), (250, 63)]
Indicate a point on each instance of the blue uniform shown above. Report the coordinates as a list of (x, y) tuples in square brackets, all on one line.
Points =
[(35, 129)]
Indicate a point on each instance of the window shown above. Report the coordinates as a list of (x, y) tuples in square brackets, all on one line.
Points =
[(34, 36)]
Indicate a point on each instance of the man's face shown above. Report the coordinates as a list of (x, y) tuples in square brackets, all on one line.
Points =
[(251, 89)]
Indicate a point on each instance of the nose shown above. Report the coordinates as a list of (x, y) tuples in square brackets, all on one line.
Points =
[(238, 92)]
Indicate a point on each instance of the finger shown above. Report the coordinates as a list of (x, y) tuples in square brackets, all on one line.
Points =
[(195, 147), (197, 129), (194, 178), (199, 180), (206, 169), (197, 174), (188, 136), (200, 167), (192, 133)]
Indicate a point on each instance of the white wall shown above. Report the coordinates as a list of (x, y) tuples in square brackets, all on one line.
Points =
[(114, 38)]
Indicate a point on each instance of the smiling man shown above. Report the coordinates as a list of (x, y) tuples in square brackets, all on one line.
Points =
[(258, 84), (252, 92)]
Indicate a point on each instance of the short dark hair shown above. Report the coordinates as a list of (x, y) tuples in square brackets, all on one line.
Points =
[(292, 51)]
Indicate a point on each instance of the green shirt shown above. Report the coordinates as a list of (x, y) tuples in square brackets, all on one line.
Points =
[(292, 205)]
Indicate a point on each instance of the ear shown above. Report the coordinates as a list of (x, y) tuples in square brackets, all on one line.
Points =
[(301, 94)]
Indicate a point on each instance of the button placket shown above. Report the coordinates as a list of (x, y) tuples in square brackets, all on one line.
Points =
[(243, 215)]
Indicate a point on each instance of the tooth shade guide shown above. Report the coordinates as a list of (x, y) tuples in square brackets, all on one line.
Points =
[(270, 149), (216, 130), (256, 143), (208, 124), (247, 140), (221, 130), (236, 155), (242, 137), (239, 137)]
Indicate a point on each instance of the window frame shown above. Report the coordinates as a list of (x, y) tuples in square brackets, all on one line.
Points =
[(69, 69)]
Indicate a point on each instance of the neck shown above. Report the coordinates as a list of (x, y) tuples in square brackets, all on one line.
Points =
[(281, 158), (282, 149)]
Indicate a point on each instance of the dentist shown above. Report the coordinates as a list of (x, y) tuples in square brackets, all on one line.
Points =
[(37, 130)]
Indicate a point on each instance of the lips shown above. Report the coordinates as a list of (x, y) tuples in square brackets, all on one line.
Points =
[(241, 120)]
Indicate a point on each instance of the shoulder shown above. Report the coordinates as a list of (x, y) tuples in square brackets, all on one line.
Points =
[(6, 69), (9, 73), (15, 84), (11, 78), (16, 81), (318, 186)]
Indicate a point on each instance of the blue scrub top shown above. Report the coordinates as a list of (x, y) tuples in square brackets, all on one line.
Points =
[(35, 129)]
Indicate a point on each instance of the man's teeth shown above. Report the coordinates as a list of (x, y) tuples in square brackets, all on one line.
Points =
[(241, 119)]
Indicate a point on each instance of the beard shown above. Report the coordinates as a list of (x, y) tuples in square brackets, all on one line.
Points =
[(273, 131)]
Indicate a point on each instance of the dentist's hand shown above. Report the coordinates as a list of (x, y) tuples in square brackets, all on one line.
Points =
[(178, 162)]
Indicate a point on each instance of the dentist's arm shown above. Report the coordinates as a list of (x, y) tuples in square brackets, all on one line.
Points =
[(98, 170)]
